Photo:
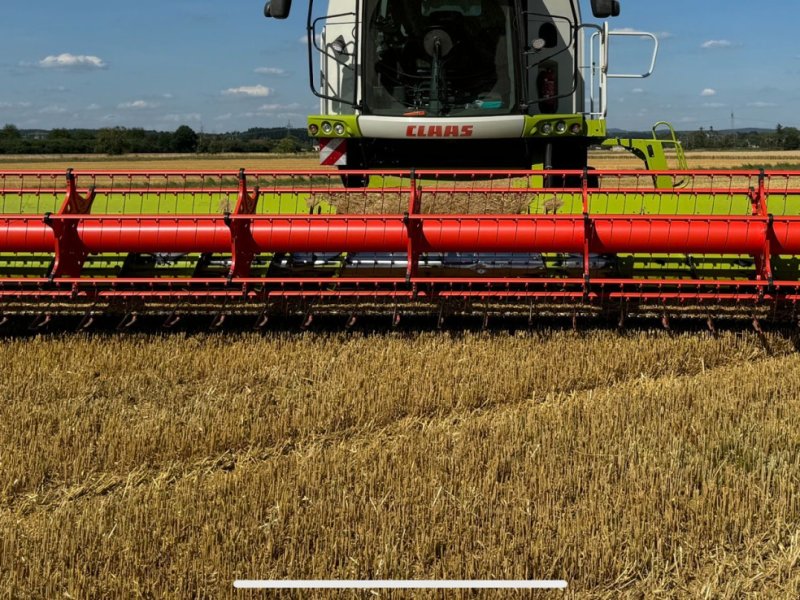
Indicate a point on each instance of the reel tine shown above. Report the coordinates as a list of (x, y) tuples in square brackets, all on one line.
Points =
[(3, 320), (757, 326), (40, 321), (351, 321), (309, 319), (87, 321), (217, 322), (261, 320), (396, 319), (712, 328), (665, 322), (171, 320), (127, 321)]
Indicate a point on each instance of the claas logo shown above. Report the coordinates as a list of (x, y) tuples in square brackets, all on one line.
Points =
[(439, 131)]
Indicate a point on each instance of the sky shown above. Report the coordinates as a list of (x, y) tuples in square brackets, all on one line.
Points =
[(221, 66)]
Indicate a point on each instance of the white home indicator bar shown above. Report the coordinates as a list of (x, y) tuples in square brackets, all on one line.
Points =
[(402, 584)]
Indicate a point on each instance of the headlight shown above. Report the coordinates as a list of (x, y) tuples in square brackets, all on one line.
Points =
[(313, 129), (339, 128), (546, 128), (326, 127), (561, 127)]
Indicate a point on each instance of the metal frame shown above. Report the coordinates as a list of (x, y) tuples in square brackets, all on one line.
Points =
[(75, 232)]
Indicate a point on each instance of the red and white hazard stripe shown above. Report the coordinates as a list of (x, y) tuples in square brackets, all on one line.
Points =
[(333, 152)]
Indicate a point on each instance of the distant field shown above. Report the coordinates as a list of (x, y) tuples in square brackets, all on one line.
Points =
[(163, 162), (598, 159)]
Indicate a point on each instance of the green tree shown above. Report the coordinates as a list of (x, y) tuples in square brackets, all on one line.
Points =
[(288, 145), (10, 132), (184, 139), (791, 139), (112, 141)]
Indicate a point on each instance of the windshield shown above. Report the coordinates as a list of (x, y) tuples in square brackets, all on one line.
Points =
[(439, 57)]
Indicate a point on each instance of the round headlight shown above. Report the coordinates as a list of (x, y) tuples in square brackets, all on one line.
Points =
[(561, 127), (339, 128), (313, 129), (576, 128), (546, 128), (326, 127)]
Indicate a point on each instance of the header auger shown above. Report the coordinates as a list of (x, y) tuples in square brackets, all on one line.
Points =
[(456, 137)]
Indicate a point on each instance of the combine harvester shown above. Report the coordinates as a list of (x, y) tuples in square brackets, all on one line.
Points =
[(455, 137)]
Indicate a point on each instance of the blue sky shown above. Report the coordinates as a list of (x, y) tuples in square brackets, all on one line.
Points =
[(220, 66)]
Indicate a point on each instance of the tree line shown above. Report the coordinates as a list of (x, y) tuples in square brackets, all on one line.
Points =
[(781, 138), (122, 140)]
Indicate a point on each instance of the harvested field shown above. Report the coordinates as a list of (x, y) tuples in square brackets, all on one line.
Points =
[(631, 465)]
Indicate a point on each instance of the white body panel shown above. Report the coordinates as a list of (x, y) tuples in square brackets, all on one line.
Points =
[(563, 15), (339, 71), (442, 128)]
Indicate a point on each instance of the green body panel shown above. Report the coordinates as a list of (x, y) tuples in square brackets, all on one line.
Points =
[(350, 123), (589, 128)]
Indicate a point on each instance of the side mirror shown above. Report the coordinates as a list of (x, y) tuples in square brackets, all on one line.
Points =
[(602, 9), (277, 9)]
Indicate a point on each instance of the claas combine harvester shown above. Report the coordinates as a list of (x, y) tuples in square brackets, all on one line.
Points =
[(454, 137)]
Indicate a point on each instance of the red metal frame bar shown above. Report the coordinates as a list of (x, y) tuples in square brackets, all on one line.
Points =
[(73, 233)]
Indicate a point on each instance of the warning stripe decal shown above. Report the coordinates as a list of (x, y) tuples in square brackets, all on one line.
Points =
[(333, 152)]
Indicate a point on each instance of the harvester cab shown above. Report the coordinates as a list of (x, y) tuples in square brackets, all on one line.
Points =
[(462, 84)]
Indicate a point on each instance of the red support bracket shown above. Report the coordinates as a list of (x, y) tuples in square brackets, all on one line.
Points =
[(588, 229), (243, 248), (70, 252), (758, 201), (414, 228)]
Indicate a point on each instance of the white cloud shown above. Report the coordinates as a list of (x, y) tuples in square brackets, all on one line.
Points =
[(254, 91), (225, 117), (761, 104), (175, 118), (278, 107), (665, 35), (708, 92), (52, 110), (137, 105), (637, 91), (303, 39), (93, 106), (716, 44), (8, 105), (713, 105), (72, 61), (271, 71)]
